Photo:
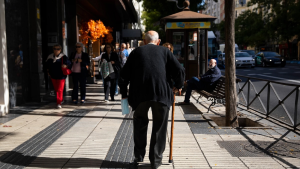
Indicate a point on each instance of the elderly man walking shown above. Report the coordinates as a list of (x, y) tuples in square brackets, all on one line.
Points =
[(154, 75)]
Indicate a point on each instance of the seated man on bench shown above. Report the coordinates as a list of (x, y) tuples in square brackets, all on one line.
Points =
[(205, 82)]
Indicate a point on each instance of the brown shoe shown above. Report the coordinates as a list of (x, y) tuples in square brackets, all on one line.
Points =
[(183, 103)]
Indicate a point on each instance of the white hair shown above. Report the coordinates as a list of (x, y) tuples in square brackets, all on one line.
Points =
[(79, 43), (151, 38)]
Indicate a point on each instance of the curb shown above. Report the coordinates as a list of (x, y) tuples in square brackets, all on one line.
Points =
[(293, 61)]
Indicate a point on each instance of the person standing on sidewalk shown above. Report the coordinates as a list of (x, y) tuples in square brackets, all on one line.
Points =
[(54, 65), (169, 46), (110, 80), (123, 54), (80, 63), (128, 48), (150, 70)]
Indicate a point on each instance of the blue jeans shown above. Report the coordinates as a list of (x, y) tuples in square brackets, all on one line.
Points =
[(192, 84)]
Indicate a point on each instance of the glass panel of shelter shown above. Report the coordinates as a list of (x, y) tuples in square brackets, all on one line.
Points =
[(178, 45), (192, 46)]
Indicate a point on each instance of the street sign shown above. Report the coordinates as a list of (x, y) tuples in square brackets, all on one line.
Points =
[(188, 25)]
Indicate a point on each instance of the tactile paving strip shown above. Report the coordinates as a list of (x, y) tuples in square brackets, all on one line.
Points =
[(120, 153), (262, 148), (27, 152)]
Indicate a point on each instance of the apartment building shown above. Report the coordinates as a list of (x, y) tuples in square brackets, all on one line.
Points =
[(215, 9), (241, 6)]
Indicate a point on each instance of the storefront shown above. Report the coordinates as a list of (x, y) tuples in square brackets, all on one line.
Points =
[(29, 29)]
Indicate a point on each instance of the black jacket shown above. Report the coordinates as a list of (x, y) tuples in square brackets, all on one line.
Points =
[(54, 69), (209, 79), (113, 57), (85, 62), (150, 70)]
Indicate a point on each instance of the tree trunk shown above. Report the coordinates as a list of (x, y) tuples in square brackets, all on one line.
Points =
[(231, 117)]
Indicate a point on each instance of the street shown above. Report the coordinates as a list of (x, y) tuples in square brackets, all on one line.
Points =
[(289, 74)]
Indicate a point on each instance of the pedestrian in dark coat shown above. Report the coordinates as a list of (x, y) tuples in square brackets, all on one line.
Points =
[(54, 65), (80, 64), (151, 71), (110, 81)]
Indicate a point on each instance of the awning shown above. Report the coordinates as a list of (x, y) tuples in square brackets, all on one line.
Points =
[(132, 33)]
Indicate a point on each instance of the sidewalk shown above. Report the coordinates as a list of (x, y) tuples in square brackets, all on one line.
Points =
[(96, 135)]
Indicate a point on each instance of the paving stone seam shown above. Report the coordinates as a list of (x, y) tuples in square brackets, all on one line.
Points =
[(169, 141), (37, 140), (10, 160), (88, 135), (238, 157), (243, 162), (197, 141), (39, 116), (113, 147), (128, 135)]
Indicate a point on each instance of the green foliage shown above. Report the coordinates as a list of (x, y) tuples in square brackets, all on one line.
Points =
[(281, 18), (249, 29)]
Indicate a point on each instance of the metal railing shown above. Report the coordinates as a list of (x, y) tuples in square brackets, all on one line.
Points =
[(245, 91)]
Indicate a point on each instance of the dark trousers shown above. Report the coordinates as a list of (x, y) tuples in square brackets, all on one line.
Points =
[(160, 114), (79, 78), (109, 88), (192, 84)]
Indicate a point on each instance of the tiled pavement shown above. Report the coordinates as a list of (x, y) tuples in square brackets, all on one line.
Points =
[(97, 135)]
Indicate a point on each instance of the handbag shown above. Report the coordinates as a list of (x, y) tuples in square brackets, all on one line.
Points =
[(110, 67), (66, 71)]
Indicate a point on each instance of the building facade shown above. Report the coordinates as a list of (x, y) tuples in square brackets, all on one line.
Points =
[(215, 9), (29, 29)]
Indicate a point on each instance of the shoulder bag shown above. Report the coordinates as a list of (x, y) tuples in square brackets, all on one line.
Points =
[(66, 71)]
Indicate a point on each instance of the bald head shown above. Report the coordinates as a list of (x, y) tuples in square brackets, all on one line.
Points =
[(151, 37), (212, 63)]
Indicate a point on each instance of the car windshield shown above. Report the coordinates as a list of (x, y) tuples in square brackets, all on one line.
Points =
[(250, 52), (270, 54), (239, 55)]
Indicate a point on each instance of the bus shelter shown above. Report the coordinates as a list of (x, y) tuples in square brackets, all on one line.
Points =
[(187, 31)]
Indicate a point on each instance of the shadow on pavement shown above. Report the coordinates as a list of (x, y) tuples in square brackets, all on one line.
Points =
[(266, 150), (17, 160)]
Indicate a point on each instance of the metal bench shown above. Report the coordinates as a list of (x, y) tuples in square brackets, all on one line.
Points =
[(217, 96)]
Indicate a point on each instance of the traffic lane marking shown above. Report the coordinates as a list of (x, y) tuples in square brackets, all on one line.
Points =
[(296, 81)]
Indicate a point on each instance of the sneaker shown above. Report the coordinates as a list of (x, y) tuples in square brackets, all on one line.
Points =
[(106, 100), (82, 101), (58, 106), (62, 102), (116, 94)]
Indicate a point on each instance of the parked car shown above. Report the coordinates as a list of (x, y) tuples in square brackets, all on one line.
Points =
[(221, 60), (250, 52), (267, 58), (222, 48), (243, 59)]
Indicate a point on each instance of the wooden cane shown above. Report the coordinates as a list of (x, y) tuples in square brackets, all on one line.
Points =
[(172, 130)]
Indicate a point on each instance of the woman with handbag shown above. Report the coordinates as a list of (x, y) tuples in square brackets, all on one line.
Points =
[(57, 67), (110, 81), (80, 62)]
